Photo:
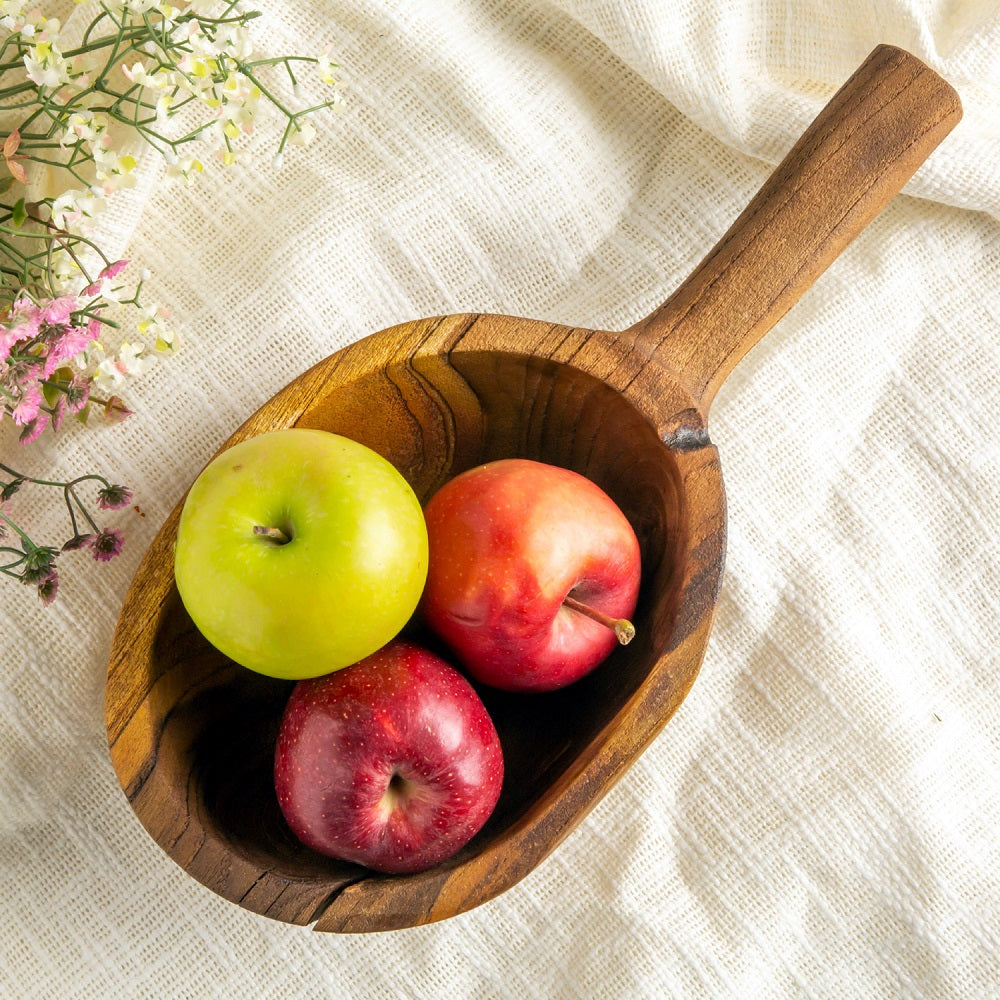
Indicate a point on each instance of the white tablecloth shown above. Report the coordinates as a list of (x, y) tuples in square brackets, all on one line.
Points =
[(820, 818)]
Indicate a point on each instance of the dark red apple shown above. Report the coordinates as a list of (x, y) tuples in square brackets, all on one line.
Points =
[(393, 762), (533, 573)]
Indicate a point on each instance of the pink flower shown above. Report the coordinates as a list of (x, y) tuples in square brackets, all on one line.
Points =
[(77, 394), (73, 340), (58, 412), (106, 544), (33, 429), (27, 407), (116, 411), (112, 497), (77, 542), (58, 311), (48, 587), (107, 273), (113, 270), (26, 321), (8, 338)]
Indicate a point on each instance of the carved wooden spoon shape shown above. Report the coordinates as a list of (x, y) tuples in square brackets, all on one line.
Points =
[(191, 734)]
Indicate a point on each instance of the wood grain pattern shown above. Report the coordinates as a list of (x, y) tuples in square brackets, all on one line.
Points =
[(191, 734)]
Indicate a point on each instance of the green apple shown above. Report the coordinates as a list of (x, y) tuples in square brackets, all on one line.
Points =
[(300, 552)]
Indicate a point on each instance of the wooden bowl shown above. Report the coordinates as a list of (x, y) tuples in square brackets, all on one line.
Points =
[(191, 734)]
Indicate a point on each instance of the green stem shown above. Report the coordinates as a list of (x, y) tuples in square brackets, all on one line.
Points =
[(23, 536), (92, 476), (89, 47)]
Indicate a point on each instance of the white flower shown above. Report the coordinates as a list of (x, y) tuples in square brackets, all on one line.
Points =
[(164, 104), (168, 14), (107, 376), (165, 339), (111, 370), (73, 206), (85, 126), (150, 316), (302, 134), (325, 68), (240, 99), (46, 66), (133, 359), (187, 167), (65, 271), (11, 14), (138, 74), (114, 170), (235, 40)]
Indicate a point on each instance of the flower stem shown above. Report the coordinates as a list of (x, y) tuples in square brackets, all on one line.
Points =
[(21, 534)]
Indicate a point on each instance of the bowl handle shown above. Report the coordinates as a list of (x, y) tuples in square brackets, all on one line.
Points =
[(852, 160)]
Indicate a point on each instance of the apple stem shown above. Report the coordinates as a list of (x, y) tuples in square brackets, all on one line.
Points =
[(274, 534), (623, 629)]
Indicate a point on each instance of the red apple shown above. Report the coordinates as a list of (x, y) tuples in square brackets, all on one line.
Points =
[(393, 762), (533, 571)]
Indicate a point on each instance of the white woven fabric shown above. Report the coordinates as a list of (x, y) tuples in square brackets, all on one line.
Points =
[(820, 817)]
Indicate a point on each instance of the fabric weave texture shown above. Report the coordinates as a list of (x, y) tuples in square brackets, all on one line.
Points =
[(819, 819)]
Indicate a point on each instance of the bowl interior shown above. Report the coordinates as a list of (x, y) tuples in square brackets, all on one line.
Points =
[(211, 725)]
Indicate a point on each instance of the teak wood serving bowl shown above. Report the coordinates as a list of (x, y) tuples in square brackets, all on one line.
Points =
[(191, 734)]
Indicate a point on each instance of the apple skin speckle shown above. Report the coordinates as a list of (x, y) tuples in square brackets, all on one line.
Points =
[(393, 763)]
